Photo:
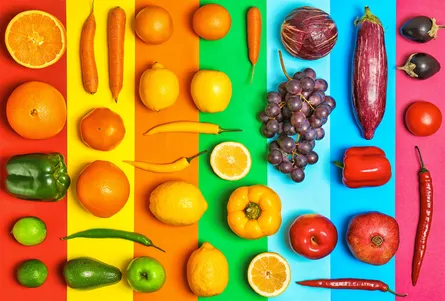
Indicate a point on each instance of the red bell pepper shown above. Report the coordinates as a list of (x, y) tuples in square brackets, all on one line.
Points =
[(365, 167)]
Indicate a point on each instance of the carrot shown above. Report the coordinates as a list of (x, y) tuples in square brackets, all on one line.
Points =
[(116, 37), (253, 36), (90, 78)]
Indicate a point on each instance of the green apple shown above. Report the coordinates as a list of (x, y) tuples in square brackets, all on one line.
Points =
[(145, 274)]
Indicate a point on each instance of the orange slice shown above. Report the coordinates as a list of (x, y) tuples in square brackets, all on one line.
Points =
[(230, 161), (269, 274), (35, 39)]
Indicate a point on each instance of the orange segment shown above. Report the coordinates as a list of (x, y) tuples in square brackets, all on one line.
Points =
[(230, 161), (269, 274), (35, 39)]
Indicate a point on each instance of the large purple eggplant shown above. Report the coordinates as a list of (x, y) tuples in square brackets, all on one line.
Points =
[(370, 76)]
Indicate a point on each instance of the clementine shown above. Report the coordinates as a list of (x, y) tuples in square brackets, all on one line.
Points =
[(211, 22), (102, 129), (103, 188), (35, 39), (154, 25), (36, 110)]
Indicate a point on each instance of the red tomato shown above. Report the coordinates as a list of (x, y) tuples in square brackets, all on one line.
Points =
[(423, 118)]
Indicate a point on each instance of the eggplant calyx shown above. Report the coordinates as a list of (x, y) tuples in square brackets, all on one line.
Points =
[(409, 67), (368, 16), (434, 28)]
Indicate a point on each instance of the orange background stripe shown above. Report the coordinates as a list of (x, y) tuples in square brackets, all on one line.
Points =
[(181, 55)]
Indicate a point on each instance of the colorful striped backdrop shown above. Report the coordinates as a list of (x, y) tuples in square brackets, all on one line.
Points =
[(321, 192)]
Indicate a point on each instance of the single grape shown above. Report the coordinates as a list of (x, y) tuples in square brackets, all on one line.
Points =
[(293, 87), (330, 102), (316, 98), (288, 129), (312, 157), (299, 75), (310, 73), (319, 134), (266, 133), (324, 120), (321, 112), (287, 144), (304, 147), (275, 157), (300, 161), (297, 119), (307, 83), (272, 110), (325, 105), (282, 88), (321, 93), (321, 85), (273, 145), (297, 175), (280, 128), (309, 134), (285, 157), (315, 122), (285, 167), (306, 109), (294, 104), (279, 117), (306, 94), (312, 143), (272, 126), (273, 97), (263, 117), (303, 127), (286, 113)]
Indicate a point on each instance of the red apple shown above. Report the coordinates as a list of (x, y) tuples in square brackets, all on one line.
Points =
[(373, 237), (313, 236)]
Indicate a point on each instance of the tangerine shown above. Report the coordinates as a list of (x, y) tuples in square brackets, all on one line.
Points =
[(211, 22), (154, 25), (36, 110), (103, 188)]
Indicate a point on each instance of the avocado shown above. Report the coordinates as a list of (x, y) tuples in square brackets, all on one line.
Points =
[(86, 273)]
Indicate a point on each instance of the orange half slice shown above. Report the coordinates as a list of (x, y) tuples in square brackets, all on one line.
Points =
[(230, 161)]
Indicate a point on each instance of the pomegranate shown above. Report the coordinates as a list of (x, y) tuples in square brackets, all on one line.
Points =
[(373, 237)]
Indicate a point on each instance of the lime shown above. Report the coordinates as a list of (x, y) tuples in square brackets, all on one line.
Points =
[(32, 273), (29, 231)]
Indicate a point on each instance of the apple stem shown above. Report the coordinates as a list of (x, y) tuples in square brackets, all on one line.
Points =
[(313, 240), (395, 293), (377, 240)]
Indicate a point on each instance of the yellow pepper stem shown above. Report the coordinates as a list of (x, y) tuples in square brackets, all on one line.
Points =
[(252, 211), (189, 159)]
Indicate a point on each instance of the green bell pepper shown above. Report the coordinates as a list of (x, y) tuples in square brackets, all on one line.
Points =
[(41, 177)]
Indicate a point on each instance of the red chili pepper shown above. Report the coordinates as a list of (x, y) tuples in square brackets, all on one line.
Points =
[(425, 218), (351, 283), (365, 167)]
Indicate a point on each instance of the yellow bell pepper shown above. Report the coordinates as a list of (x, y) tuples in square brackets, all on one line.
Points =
[(254, 211)]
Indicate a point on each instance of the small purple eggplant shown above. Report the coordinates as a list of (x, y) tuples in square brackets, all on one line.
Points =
[(420, 66), (420, 29)]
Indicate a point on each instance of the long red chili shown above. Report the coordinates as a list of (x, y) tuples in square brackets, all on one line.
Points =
[(425, 218), (351, 283)]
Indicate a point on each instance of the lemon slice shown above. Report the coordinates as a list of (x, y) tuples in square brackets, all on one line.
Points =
[(230, 161), (269, 274)]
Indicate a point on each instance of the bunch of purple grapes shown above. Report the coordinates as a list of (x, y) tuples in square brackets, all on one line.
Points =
[(299, 109)]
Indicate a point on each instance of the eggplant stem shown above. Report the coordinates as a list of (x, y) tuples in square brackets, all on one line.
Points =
[(434, 28), (282, 66), (409, 67)]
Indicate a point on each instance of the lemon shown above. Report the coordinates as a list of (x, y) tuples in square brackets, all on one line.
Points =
[(158, 88), (211, 91), (230, 161), (29, 231), (207, 271), (269, 274), (177, 203)]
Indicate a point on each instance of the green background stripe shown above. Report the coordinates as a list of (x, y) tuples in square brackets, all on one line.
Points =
[(230, 56)]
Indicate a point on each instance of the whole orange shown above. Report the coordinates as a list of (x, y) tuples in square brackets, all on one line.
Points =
[(154, 25), (103, 188), (102, 129), (36, 110), (211, 22)]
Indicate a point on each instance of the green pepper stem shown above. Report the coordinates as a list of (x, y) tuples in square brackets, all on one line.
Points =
[(338, 164), (422, 164), (156, 247), (189, 159), (221, 130)]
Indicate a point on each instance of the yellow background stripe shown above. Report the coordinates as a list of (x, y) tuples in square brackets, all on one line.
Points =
[(115, 252)]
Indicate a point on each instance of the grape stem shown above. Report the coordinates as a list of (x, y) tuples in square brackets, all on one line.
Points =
[(339, 164), (307, 101), (282, 66)]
